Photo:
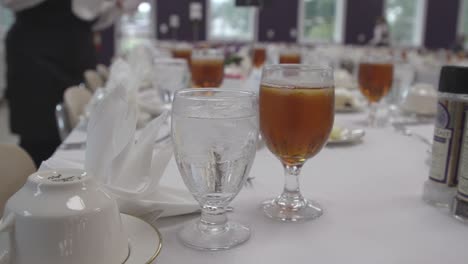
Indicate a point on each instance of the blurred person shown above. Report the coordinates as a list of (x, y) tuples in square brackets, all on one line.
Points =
[(48, 48), (381, 36)]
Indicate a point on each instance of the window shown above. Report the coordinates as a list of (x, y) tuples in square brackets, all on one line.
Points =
[(226, 21), (405, 19), (6, 18), (321, 20), (463, 20)]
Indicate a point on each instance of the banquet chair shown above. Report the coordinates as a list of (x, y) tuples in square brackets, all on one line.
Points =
[(103, 71), (15, 167), (75, 100), (92, 80)]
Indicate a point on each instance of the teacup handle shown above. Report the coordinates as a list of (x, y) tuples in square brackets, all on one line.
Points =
[(7, 224)]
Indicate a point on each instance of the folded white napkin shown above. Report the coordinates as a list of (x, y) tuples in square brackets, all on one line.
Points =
[(129, 167)]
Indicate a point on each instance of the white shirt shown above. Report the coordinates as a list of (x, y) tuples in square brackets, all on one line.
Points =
[(106, 11), (381, 35)]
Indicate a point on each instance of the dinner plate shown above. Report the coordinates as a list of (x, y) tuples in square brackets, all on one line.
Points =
[(145, 241), (348, 136)]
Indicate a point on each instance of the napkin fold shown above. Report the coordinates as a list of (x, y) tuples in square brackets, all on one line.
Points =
[(128, 163)]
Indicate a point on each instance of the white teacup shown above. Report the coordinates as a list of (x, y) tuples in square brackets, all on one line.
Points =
[(64, 217), (421, 99)]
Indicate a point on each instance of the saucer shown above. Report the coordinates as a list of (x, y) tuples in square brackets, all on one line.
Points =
[(145, 241)]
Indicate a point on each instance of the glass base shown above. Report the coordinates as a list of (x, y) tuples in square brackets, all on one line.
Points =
[(298, 210), (438, 195), (199, 236)]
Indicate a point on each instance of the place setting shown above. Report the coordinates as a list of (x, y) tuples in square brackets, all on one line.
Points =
[(208, 134)]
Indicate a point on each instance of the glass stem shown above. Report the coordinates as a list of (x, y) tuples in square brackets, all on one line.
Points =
[(213, 219), (372, 114), (291, 196)]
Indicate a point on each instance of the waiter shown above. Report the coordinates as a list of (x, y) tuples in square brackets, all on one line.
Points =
[(48, 48)]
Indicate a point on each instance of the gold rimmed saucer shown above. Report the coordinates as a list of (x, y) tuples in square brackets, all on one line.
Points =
[(145, 240)]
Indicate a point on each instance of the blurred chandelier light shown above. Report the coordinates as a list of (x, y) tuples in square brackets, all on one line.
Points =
[(144, 7)]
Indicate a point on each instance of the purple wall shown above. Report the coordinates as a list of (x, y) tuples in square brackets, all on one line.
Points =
[(165, 8), (360, 19), (279, 16), (441, 23)]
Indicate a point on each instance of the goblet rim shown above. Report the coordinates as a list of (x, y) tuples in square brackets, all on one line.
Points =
[(206, 94), (299, 67)]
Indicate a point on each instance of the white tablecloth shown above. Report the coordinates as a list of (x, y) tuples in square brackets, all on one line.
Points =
[(371, 193)]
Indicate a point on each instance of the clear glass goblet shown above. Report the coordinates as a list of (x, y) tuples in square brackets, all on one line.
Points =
[(170, 75), (214, 132)]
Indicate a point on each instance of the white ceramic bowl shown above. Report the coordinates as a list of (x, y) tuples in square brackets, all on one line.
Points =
[(421, 99), (64, 217)]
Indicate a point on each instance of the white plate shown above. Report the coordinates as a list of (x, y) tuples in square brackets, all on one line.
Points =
[(348, 136), (145, 241)]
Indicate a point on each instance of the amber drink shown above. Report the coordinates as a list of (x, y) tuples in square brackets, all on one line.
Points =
[(296, 111), (207, 68), (375, 81), (258, 56)]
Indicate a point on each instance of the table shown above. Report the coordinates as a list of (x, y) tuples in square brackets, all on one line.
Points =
[(374, 214), (371, 193)]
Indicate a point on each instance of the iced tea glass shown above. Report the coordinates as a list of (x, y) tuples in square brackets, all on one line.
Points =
[(296, 108)]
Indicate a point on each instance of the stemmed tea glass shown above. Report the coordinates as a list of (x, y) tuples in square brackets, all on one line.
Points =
[(215, 134), (375, 80), (296, 108), (207, 67), (290, 55), (259, 55)]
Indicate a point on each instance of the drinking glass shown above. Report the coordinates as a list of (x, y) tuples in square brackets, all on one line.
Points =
[(207, 67), (375, 81), (215, 133), (170, 75), (258, 55), (182, 51), (296, 109), (290, 55)]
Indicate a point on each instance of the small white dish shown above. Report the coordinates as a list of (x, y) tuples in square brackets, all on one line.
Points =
[(347, 136), (145, 241)]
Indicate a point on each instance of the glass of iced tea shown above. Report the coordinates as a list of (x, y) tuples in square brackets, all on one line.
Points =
[(259, 55), (207, 68), (296, 104), (290, 55), (375, 80), (182, 51)]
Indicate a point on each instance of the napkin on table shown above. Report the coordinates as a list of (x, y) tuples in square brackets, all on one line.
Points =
[(128, 167)]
